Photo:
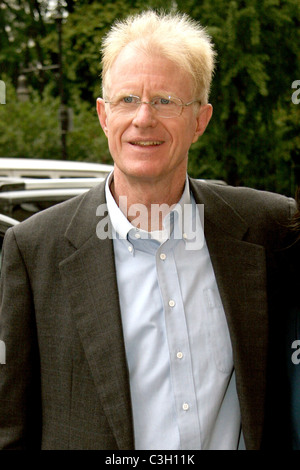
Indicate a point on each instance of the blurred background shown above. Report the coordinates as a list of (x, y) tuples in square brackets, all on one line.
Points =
[(50, 64)]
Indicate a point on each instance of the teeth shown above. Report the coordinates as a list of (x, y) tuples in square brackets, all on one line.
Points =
[(145, 144)]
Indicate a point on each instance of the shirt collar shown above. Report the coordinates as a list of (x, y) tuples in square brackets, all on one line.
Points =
[(120, 223), (174, 221)]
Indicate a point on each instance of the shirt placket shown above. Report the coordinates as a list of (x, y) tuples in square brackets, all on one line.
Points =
[(179, 347)]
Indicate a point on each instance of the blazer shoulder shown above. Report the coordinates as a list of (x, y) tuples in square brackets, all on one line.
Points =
[(250, 203), (264, 216), (59, 216)]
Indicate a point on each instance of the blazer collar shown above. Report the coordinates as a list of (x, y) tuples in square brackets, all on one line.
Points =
[(218, 211), (84, 222)]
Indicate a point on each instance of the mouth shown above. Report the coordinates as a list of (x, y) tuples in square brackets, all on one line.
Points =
[(147, 143)]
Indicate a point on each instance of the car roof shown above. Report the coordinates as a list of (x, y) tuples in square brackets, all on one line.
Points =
[(33, 163), (40, 194), (16, 184), (51, 168)]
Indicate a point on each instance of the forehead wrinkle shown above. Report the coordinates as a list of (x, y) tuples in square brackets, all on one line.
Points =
[(146, 82), (150, 96), (149, 78), (144, 90)]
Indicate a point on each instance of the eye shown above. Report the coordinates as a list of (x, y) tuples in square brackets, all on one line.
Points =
[(130, 99), (127, 99), (161, 101)]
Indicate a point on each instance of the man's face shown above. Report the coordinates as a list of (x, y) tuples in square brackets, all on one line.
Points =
[(143, 145)]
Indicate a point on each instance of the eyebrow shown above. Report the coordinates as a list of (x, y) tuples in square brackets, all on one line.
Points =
[(161, 93)]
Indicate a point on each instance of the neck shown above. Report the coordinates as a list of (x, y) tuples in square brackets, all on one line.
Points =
[(145, 203)]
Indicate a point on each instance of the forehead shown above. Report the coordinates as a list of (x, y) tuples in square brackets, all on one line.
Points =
[(139, 72)]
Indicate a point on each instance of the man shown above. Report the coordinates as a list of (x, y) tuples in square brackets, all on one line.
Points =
[(136, 329)]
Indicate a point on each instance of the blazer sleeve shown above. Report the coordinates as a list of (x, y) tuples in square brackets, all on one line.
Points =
[(20, 409)]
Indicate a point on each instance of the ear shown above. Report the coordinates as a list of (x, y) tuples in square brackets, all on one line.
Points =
[(100, 104), (203, 117)]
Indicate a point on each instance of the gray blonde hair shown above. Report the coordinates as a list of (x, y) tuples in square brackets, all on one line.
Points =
[(175, 36)]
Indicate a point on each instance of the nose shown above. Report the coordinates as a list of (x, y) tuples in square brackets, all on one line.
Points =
[(144, 116)]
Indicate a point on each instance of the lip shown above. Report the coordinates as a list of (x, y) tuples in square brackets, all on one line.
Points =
[(145, 143)]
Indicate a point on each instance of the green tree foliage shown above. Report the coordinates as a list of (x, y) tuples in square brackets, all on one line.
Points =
[(23, 24), (253, 138), (34, 131), (255, 127)]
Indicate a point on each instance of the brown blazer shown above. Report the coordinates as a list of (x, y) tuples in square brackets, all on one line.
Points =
[(65, 382)]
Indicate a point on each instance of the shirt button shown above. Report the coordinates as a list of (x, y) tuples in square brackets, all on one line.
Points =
[(185, 406), (162, 256), (137, 235), (179, 355), (172, 303), (130, 249)]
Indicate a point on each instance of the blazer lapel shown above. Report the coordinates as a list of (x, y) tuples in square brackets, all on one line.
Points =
[(240, 270), (90, 282)]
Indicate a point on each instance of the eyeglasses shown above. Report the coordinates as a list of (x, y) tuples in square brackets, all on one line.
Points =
[(165, 107)]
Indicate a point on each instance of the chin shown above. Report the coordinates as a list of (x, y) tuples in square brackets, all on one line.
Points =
[(143, 170)]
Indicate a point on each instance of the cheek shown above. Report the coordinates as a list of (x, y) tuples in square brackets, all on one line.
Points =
[(182, 137), (114, 135), (112, 128), (116, 127)]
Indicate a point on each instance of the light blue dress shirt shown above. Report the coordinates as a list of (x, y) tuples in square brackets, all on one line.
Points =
[(177, 343)]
